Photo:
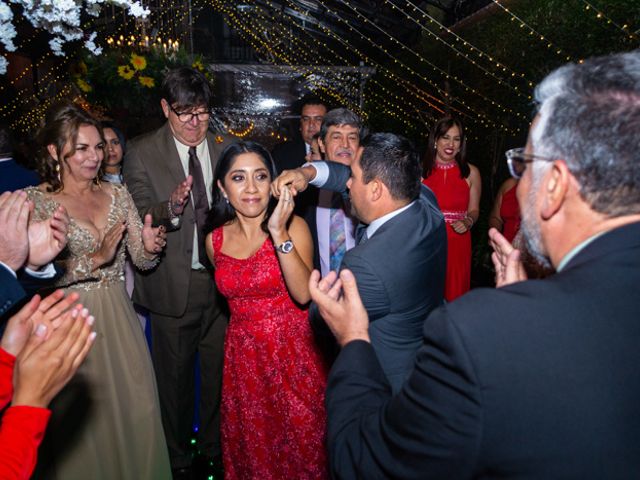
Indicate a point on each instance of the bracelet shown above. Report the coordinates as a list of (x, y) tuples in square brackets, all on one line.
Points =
[(170, 209), (470, 218)]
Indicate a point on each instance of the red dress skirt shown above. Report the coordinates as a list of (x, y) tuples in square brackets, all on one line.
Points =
[(273, 419), (453, 193)]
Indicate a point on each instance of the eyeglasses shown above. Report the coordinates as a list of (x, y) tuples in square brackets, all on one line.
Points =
[(186, 117), (517, 161)]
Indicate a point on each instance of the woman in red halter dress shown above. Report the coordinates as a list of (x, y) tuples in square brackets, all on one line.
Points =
[(457, 186), (272, 413)]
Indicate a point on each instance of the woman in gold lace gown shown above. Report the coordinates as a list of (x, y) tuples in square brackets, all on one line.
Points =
[(106, 423)]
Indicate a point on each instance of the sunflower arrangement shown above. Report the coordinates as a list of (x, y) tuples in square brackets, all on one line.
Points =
[(127, 82)]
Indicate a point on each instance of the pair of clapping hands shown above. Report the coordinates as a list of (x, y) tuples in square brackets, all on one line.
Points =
[(50, 338)]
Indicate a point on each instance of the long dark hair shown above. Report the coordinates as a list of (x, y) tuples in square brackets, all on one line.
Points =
[(440, 129), (61, 124), (222, 211)]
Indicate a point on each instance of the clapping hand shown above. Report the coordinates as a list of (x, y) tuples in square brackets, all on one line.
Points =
[(340, 305), (109, 246), (36, 313), (278, 220), (154, 239), (48, 361), (506, 260), (47, 238), (180, 196), (14, 218)]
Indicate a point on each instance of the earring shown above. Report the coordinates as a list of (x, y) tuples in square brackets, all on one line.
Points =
[(57, 169)]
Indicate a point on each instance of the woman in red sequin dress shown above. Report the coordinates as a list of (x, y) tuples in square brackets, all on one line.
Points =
[(273, 417), (457, 186)]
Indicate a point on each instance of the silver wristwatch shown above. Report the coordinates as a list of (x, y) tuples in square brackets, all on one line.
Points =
[(285, 247)]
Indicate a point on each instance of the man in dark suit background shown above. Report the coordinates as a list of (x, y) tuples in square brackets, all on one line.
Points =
[(400, 263), (291, 154), (13, 176), (169, 173), (536, 379)]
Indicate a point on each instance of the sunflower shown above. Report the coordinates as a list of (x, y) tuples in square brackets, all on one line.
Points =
[(138, 62), (147, 82), (198, 65), (84, 86), (125, 72)]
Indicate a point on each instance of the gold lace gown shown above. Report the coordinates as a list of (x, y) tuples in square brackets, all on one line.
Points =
[(106, 423)]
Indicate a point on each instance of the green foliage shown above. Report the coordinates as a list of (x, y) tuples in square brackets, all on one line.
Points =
[(125, 81)]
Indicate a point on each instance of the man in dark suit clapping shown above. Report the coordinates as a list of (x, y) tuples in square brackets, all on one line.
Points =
[(535, 379), (400, 258)]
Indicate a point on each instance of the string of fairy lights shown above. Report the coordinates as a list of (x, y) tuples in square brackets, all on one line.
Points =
[(425, 61), (534, 33), (600, 15), (422, 18), (278, 41), (480, 118), (424, 96), (258, 43), (303, 52)]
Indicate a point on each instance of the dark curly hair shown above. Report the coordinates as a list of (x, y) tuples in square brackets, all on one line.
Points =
[(221, 210), (61, 124), (439, 130)]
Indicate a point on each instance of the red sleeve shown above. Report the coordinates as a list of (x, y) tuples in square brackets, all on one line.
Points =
[(21, 432), (6, 377)]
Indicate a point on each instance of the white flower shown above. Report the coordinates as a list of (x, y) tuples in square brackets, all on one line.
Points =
[(56, 46), (7, 30), (91, 46), (61, 18)]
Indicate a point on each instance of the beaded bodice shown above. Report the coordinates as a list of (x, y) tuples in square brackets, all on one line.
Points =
[(76, 259)]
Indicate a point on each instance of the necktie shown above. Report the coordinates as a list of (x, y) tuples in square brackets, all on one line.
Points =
[(337, 237), (200, 202)]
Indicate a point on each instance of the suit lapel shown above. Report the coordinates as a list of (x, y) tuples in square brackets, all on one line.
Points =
[(174, 165)]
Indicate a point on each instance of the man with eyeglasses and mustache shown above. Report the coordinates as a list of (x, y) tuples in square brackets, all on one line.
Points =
[(169, 173), (329, 215), (534, 379)]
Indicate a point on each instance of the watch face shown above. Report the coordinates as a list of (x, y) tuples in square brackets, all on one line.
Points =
[(286, 247)]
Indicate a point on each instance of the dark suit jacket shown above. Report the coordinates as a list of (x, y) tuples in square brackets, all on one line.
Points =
[(11, 292), (152, 170), (14, 176), (289, 155), (400, 272), (536, 380)]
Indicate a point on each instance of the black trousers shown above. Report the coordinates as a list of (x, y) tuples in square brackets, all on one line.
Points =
[(175, 341)]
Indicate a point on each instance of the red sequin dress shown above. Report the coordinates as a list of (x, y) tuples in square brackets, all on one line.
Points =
[(273, 416), (453, 193), (510, 214)]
